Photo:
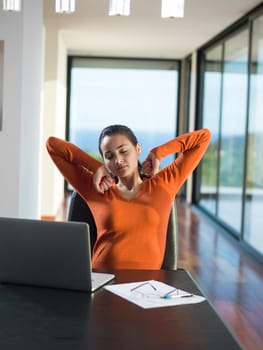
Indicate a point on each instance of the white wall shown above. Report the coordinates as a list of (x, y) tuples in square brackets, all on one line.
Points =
[(19, 137), (54, 118), (1, 79)]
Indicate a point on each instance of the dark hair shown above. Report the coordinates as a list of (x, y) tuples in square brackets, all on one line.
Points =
[(123, 130), (118, 129)]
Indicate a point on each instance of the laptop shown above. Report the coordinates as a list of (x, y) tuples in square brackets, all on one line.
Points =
[(45, 253)]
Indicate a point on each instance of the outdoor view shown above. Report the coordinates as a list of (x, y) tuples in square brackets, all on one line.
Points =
[(143, 99)]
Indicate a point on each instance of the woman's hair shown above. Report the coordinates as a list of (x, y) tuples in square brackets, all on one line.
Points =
[(123, 130), (118, 129)]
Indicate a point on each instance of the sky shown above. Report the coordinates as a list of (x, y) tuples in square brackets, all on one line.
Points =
[(141, 99)]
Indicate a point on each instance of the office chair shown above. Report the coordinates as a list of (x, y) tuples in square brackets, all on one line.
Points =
[(80, 211)]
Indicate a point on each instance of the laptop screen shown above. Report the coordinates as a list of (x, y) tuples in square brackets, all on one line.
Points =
[(46, 253)]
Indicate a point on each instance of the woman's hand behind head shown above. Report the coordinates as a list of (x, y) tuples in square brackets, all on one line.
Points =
[(151, 165), (102, 180)]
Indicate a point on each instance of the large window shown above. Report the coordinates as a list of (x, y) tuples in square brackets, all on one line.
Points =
[(211, 117), (141, 94), (254, 179), (231, 172), (233, 130)]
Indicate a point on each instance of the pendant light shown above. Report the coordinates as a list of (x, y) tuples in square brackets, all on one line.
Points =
[(172, 8), (12, 5), (119, 7), (65, 6)]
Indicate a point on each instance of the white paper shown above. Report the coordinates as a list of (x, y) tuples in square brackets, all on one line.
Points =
[(148, 294)]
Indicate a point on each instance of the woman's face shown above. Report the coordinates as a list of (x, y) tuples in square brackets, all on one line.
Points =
[(120, 155)]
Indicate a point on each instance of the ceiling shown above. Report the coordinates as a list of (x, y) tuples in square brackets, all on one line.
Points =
[(90, 31)]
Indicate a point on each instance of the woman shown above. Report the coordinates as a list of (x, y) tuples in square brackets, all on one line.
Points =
[(130, 202)]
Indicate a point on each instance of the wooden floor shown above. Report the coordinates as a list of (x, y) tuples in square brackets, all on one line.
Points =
[(228, 276)]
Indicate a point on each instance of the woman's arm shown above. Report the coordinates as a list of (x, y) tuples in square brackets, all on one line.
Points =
[(73, 163), (191, 147)]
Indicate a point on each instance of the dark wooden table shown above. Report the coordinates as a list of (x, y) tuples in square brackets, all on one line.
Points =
[(34, 318)]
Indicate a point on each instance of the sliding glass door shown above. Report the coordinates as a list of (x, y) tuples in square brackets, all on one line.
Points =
[(254, 180), (233, 130), (232, 108)]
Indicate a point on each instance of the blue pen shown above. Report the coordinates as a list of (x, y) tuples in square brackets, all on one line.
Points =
[(170, 295), (175, 296)]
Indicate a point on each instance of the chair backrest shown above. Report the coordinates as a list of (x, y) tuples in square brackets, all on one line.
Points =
[(80, 211), (170, 259)]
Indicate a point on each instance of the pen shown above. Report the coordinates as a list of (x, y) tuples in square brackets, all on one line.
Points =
[(175, 296)]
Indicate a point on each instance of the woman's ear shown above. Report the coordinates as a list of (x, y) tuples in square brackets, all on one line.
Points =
[(138, 149)]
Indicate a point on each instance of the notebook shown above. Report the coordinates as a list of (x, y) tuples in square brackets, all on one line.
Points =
[(52, 254)]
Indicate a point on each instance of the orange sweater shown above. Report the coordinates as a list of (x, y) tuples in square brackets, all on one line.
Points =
[(131, 234)]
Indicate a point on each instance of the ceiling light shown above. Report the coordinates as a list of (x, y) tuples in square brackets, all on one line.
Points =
[(11, 5), (65, 6), (119, 8), (172, 8)]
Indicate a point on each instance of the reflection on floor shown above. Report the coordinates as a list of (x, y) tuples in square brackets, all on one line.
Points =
[(230, 212)]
